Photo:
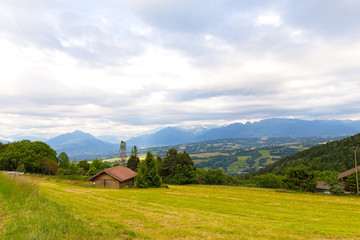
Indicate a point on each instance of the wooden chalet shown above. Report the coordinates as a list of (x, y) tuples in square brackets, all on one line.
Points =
[(115, 177)]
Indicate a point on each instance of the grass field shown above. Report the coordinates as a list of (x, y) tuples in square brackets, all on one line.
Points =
[(177, 212)]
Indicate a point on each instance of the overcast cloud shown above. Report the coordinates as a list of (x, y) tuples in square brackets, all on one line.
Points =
[(128, 67)]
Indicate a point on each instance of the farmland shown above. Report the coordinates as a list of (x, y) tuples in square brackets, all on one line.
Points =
[(241, 155), (188, 212)]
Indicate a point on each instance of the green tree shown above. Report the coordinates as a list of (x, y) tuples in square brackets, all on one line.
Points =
[(134, 160), (97, 166), (300, 179), (200, 176), (169, 164), (215, 177), (122, 151), (178, 168), (148, 175), (63, 160), (25, 154), (269, 181), (117, 163), (49, 166), (350, 183), (83, 166)]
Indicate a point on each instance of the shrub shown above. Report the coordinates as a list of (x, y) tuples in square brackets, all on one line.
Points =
[(269, 181), (300, 179)]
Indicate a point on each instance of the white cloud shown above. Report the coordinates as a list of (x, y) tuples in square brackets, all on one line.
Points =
[(123, 68), (269, 19)]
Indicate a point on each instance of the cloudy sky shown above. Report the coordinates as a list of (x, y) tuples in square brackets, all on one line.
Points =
[(120, 67)]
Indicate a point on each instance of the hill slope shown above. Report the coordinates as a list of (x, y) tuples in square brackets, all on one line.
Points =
[(334, 155)]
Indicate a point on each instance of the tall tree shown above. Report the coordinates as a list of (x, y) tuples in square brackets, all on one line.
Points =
[(300, 179), (84, 166), (170, 162), (49, 166), (134, 160), (63, 160), (148, 175), (122, 151), (178, 168)]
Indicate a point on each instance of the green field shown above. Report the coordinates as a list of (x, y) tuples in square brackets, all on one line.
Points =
[(238, 165), (68, 211)]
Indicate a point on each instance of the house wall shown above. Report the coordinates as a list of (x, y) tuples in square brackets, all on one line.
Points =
[(129, 183), (104, 180)]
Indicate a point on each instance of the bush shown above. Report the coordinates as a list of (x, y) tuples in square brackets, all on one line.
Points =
[(300, 179), (269, 181), (337, 189), (215, 177)]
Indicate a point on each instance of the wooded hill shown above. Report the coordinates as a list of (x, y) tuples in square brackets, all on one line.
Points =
[(334, 155)]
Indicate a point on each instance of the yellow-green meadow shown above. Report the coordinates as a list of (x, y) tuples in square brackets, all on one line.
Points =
[(177, 212)]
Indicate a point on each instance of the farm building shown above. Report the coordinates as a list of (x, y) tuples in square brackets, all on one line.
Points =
[(322, 187), (115, 177), (344, 176)]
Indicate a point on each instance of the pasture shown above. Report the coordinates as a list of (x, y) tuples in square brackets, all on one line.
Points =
[(179, 212)]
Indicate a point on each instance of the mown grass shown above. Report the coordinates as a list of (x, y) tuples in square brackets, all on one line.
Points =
[(201, 212), (26, 214)]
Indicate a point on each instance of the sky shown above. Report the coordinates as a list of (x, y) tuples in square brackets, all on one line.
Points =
[(123, 68)]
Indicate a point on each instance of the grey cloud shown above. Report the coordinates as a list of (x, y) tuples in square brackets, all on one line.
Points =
[(74, 30), (332, 18)]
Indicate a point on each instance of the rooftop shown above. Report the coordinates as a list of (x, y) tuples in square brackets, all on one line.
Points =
[(120, 173), (347, 173)]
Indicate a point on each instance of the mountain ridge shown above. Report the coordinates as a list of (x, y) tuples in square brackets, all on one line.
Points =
[(81, 145), (274, 127)]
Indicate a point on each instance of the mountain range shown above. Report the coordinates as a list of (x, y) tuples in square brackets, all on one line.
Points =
[(266, 128), (83, 145)]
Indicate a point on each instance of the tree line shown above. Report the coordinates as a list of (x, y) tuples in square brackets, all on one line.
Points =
[(174, 168)]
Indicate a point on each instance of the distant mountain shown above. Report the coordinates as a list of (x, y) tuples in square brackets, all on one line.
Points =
[(165, 137), (19, 137), (275, 127), (81, 145), (110, 139), (284, 128)]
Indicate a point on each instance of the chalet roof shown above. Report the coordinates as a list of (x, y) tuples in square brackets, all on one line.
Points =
[(348, 172), (120, 173), (322, 185)]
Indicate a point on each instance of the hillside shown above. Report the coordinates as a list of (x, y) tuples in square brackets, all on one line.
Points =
[(242, 155), (335, 155)]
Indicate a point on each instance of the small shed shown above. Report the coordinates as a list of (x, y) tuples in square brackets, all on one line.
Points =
[(115, 177), (322, 187)]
